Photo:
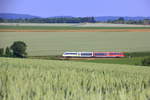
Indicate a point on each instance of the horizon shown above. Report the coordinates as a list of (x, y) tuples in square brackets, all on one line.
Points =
[(67, 15), (84, 8)]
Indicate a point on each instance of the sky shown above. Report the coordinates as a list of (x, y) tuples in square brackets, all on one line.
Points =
[(77, 8)]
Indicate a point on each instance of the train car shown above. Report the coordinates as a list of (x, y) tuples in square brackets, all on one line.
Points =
[(116, 54), (108, 54), (71, 54), (78, 54)]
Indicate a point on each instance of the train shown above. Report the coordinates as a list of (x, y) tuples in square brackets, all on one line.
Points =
[(93, 54)]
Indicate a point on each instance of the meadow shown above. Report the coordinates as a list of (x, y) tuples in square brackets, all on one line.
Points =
[(55, 43), (28, 79)]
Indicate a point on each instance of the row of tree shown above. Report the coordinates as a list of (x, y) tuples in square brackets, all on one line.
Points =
[(121, 20), (17, 49), (51, 20)]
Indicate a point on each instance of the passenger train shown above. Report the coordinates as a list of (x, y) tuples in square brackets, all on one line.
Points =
[(93, 54)]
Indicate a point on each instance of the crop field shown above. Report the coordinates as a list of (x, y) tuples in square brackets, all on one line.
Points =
[(42, 28), (72, 27), (55, 43), (74, 24), (128, 61), (28, 79)]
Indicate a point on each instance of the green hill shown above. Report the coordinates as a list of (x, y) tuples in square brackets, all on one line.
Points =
[(28, 79)]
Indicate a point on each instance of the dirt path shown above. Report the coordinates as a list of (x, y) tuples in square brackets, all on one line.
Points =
[(80, 30)]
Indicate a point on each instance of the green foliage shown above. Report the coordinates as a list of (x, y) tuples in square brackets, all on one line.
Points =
[(51, 20), (19, 49), (146, 62), (1, 52), (137, 54), (8, 52), (121, 20), (28, 79)]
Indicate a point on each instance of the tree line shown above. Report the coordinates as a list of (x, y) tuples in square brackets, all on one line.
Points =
[(120, 20), (51, 20)]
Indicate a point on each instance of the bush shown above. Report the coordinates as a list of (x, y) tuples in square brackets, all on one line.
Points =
[(19, 49), (146, 62), (1, 52), (8, 52)]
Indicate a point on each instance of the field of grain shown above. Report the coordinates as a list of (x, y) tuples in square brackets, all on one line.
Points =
[(55, 43), (25, 79), (74, 24), (72, 27)]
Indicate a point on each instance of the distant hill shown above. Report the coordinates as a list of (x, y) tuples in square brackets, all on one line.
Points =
[(16, 16), (106, 18), (97, 19)]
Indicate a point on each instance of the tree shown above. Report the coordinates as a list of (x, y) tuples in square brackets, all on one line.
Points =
[(120, 20), (1, 52), (8, 52), (19, 49)]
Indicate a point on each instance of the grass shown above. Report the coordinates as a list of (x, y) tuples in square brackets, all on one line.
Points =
[(138, 54), (64, 27), (28, 79), (132, 58), (55, 43), (127, 61)]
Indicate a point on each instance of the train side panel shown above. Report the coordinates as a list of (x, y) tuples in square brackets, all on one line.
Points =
[(116, 54)]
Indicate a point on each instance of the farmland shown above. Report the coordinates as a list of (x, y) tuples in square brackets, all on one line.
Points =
[(55, 43), (32, 79), (73, 25), (79, 27), (22, 79)]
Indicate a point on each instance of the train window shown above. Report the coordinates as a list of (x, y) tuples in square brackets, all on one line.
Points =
[(100, 54), (115, 53), (86, 53)]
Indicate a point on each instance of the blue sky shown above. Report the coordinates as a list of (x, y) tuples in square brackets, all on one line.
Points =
[(47, 8)]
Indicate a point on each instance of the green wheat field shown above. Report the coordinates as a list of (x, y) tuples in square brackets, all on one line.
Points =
[(28, 79)]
